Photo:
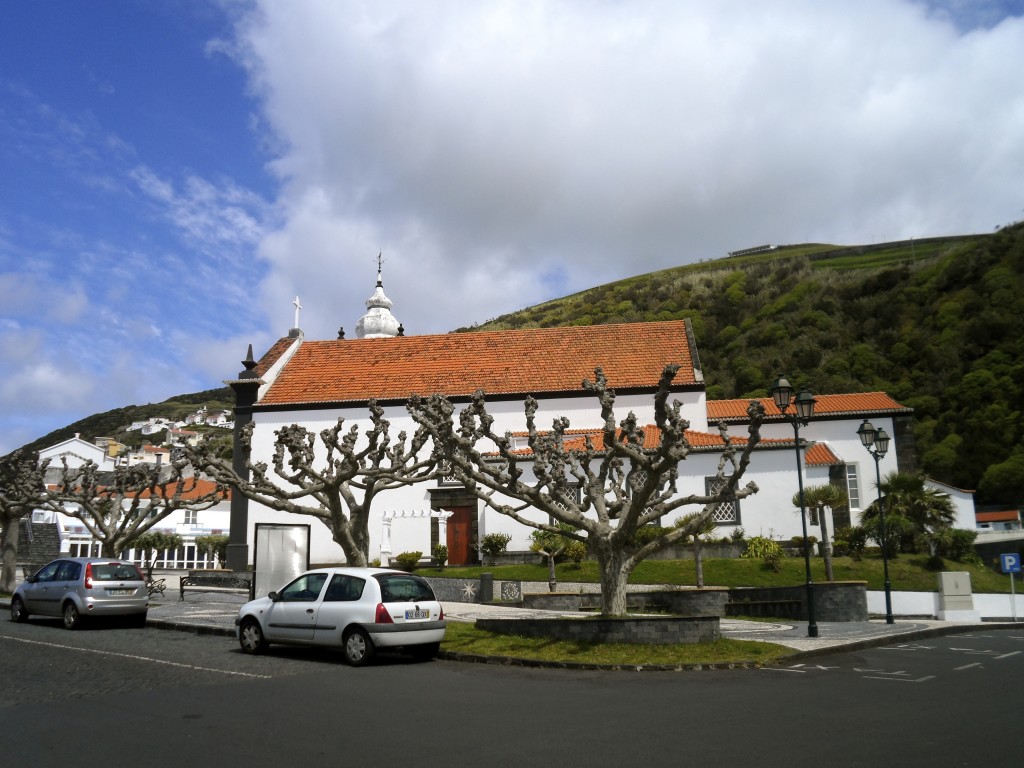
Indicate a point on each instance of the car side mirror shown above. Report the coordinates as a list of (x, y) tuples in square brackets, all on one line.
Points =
[(274, 597)]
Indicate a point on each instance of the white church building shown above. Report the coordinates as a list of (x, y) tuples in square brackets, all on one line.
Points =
[(314, 382)]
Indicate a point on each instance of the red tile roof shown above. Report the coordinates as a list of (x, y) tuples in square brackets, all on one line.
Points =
[(534, 361), (1006, 516), (820, 455), (825, 405), (699, 441), (193, 489)]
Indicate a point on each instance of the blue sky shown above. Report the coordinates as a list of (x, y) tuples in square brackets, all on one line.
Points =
[(173, 174)]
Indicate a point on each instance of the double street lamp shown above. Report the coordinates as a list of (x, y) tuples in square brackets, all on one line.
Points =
[(877, 443), (803, 410)]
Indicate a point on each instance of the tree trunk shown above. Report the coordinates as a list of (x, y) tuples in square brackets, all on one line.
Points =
[(698, 560), (826, 545), (10, 556), (614, 577), (552, 580)]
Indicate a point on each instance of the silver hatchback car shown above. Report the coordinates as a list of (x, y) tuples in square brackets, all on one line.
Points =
[(355, 609), (74, 588)]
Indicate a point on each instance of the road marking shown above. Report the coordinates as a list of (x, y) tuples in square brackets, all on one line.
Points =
[(908, 648), (785, 669), (136, 658), (967, 666), (1006, 655), (900, 679)]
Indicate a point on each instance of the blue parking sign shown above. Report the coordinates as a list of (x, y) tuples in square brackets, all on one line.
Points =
[(1010, 562)]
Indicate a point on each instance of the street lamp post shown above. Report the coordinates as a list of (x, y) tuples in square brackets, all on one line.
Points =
[(877, 443), (803, 405)]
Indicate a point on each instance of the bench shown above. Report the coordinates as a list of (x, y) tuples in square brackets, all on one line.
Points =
[(215, 582), (778, 609), (156, 586)]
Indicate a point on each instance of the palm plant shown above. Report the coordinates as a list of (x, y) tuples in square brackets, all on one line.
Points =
[(928, 511), (816, 499)]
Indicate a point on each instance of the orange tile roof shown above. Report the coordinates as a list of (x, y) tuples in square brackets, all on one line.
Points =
[(534, 361), (194, 489), (1006, 516), (699, 441), (825, 405), (820, 455)]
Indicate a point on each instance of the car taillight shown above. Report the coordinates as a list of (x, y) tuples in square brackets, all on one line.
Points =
[(382, 616), (441, 617), (88, 575)]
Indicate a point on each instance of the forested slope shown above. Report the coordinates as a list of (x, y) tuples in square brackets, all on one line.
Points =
[(939, 324)]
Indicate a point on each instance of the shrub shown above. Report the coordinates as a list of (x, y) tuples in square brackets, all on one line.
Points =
[(440, 555), (494, 544), (768, 550), (855, 538), (798, 541), (575, 552), (935, 563), (958, 544), (646, 534), (408, 561), (215, 544), (737, 535), (840, 547)]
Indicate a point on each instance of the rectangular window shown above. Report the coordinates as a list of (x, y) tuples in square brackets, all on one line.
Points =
[(726, 513), (852, 486), (191, 517)]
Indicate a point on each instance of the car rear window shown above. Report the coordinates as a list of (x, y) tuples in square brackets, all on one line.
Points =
[(114, 572), (403, 588)]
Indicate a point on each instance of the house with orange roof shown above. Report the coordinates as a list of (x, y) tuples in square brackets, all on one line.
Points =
[(315, 382)]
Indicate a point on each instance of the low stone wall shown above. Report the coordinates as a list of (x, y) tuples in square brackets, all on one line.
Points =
[(833, 601), (656, 630), (691, 602)]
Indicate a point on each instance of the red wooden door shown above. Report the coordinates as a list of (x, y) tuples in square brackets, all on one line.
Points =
[(461, 549)]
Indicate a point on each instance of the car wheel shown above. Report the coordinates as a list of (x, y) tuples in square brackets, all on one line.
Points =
[(425, 652), (72, 618), (18, 612), (358, 647), (250, 637)]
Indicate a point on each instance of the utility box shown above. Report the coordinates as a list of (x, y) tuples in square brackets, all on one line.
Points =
[(956, 600)]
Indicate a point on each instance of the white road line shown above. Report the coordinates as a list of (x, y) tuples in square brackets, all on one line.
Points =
[(1005, 655), (899, 679), (136, 658), (967, 666)]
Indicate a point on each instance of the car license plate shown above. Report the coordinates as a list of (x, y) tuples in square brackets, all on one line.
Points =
[(120, 591), (417, 614)]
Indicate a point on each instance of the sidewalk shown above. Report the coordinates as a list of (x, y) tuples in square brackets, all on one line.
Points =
[(214, 613)]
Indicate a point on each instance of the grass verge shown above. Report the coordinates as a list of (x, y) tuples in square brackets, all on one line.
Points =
[(463, 637)]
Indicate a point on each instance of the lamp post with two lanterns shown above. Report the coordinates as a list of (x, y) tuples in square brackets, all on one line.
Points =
[(877, 443), (803, 410)]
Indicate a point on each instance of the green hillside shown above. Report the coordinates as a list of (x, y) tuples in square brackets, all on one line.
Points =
[(114, 423), (937, 323)]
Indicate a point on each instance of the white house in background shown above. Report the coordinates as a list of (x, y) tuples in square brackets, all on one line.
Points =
[(76, 541), (76, 452), (314, 383)]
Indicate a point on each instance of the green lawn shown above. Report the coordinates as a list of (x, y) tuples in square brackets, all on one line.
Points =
[(906, 573), (466, 638)]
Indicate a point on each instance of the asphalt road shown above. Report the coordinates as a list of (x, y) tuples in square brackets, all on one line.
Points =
[(113, 695)]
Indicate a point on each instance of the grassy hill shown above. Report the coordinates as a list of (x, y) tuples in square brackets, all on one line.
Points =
[(938, 323), (114, 423)]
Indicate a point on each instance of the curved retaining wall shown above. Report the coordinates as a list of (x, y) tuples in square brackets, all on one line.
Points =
[(637, 630), (833, 600)]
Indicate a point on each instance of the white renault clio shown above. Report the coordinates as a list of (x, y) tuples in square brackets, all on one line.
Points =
[(356, 609)]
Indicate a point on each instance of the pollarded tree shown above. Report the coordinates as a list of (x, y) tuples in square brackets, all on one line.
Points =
[(337, 487), (21, 491), (626, 478), (118, 506)]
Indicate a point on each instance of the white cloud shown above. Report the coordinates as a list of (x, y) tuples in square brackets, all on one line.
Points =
[(501, 153)]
